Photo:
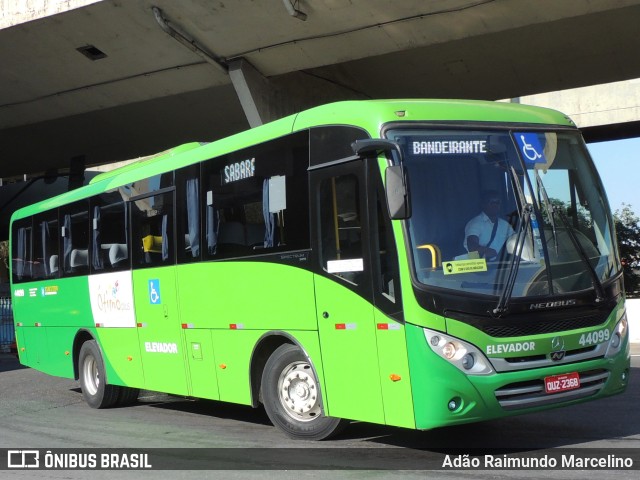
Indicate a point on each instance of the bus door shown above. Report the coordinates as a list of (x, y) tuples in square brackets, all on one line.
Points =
[(155, 292), (344, 298)]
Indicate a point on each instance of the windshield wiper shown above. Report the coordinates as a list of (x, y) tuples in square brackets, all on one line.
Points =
[(595, 281), (523, 226), (551, 212)]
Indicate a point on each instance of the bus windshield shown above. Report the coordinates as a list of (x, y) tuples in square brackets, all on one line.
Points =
[(519, 212)]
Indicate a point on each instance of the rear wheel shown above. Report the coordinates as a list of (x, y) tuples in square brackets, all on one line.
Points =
[(292, 397), (95, 390)]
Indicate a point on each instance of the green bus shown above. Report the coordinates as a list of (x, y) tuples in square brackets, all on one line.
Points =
[(325, 266)]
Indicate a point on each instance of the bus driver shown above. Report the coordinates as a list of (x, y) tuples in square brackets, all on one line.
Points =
[(486, 233)]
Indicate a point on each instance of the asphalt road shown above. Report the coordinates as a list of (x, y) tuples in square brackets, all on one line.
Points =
[(42, 412)]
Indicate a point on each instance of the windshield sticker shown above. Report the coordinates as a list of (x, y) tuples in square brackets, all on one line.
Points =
[(464, 266), (449, 147), (530, 147)]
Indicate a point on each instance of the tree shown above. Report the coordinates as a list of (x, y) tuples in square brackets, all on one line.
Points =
[(628, 232)]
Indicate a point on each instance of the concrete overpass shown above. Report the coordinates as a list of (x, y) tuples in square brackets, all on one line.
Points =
[(99, 81), (603, 112)]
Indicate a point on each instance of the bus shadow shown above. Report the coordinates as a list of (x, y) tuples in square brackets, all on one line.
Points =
[(209, 408), (9, 362)]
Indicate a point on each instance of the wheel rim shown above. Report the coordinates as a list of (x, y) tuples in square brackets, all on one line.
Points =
[(90, 375), (298, 392)]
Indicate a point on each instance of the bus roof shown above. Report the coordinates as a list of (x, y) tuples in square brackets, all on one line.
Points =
[(370, 115)]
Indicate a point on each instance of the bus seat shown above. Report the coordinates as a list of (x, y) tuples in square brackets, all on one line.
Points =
[(255, 234), (79, 258), (53, 264), (117, 253), (152, 243)]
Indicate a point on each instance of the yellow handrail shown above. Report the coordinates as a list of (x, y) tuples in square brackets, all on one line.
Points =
[(436, 256)]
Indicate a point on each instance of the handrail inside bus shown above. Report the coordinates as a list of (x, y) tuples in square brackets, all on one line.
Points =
[(436, 256)]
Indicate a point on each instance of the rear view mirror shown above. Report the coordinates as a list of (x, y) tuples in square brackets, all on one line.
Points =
[(397, 193)]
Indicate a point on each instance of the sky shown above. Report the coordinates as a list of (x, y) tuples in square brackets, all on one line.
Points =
[(618, 163)]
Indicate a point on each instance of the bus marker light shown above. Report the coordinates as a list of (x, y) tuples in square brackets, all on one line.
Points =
[(129, 358), (345, 326), (395, 377), (236, 326), (98, 325), (388, 326), (19, 324), (223, 366), (67, 353), (37, 324), (187, 325)]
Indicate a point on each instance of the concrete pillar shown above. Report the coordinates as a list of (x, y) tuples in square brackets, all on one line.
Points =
[(253, 91), (266, 99)]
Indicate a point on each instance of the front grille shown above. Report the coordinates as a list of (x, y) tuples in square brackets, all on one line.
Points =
[(509, 364), (520, 395), (536, 328)]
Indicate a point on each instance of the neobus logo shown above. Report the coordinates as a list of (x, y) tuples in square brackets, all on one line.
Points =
[(558, 303)]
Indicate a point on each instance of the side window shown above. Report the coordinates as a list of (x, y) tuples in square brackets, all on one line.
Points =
[(341, 227), (189, 221), (109, 249), (21, 250), (45, 245), (387, 284), (255, 201), (152, 230), (75, 238)]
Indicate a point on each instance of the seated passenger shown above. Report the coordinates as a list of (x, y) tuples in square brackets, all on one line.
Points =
[(486, 233)]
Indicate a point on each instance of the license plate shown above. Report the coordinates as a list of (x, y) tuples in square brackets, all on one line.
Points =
[(562, 383)]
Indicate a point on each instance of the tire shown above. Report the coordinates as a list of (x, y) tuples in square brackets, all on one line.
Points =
[(292, 397), (95, 390)]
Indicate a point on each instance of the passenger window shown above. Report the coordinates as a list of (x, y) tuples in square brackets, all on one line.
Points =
[(255, 201), (189, 221), (340, 227), (45, 245), (75, 238), (21, 254), (109, 249), (152, 230)]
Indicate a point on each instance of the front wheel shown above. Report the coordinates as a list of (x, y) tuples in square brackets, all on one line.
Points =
[(95, 390), (292, 397)]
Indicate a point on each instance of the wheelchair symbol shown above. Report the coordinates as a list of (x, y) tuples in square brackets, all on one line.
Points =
[(529, 150), (154, 292)]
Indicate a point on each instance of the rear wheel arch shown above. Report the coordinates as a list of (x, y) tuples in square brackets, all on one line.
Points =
[(264, 348), (81, 337)]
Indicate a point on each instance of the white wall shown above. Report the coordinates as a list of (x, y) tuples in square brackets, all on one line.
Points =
[(633, 315), (14, 12)]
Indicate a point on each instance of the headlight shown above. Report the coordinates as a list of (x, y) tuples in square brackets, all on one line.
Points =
[(463, 355), (618, 337)]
